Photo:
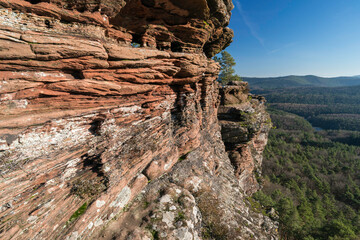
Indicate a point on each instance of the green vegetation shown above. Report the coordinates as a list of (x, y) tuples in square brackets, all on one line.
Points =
[(312, 177), (146, 204), (227, 72), (154, 233), (211, 212), (255, 206), (78, 213), (183, 157), (180, 216), (288, 121), (335, 110), (312, 181)]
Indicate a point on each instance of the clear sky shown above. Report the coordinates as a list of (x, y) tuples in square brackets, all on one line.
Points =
[(296, 37)]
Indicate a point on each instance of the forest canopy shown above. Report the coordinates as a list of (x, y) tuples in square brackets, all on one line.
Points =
[(311, 167), (311, 181)]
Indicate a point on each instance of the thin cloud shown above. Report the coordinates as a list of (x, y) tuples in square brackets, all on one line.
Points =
[(283, 47), (249, 24)]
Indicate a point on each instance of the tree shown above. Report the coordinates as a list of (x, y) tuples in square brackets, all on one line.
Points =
[(227, 63)]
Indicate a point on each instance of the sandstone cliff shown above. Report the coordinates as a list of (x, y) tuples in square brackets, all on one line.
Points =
[(108, 123), (245, 125)]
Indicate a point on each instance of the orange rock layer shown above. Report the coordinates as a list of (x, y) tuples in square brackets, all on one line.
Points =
[(87, 118), (98, 101)]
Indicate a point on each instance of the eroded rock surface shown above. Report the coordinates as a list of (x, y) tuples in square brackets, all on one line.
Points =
[(201, 198), (245, 125), (107, 106)]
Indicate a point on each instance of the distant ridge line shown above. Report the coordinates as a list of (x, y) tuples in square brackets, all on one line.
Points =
[(301, 81)]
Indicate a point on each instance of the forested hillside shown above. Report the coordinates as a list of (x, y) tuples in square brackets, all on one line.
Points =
[(301, 81), (312, 162), (328, 108), (312, 181)]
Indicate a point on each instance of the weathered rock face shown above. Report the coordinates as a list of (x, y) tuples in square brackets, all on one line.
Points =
[(180, 26), (89, 119), (204, 195), (199, 199), (245, 125)]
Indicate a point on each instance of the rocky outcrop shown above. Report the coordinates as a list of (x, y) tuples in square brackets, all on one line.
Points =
[(245, 125), (205, 195), (180, 26), (108, 118)]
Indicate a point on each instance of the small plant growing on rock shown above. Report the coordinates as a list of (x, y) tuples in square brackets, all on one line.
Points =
[(154, 233), (210, 210), (146, 204), (180, 216), (213, 218), (85, 188), (183, 157), (77, 213)]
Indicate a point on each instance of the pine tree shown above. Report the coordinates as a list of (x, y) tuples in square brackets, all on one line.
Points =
[(227, 63)]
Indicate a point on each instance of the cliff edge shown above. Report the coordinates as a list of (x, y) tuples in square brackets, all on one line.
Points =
[(109, 123)]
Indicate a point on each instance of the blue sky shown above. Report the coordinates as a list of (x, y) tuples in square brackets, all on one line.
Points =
[(296, 37)]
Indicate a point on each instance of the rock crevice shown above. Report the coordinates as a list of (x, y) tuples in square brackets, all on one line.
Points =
[(105, 103)]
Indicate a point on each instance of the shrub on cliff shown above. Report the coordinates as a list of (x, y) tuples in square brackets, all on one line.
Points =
[(227, 72)]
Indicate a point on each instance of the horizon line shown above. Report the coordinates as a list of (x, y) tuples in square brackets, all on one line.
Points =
[(296, 75)]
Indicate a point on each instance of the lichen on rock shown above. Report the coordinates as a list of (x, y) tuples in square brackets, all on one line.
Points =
[(113, 104), (245, 125)]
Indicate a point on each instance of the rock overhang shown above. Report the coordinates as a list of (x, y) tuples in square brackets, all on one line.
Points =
[(100, 99), (178, 26)]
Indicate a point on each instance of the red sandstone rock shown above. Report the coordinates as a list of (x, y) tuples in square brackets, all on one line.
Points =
[(244, 126), (87, 121)]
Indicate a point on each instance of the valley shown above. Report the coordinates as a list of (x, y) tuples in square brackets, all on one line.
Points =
[(311, 168)]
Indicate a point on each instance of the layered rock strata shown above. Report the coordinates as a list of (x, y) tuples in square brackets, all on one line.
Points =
[(108, 107), (245, 125)]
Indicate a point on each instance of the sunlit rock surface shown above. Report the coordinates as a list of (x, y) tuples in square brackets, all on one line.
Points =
[(245, 125), (108, 120)]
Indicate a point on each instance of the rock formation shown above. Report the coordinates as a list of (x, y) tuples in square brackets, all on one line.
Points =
[(245, 125), (108, 123)]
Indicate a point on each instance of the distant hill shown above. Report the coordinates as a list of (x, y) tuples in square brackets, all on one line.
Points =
[(301, 81)]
